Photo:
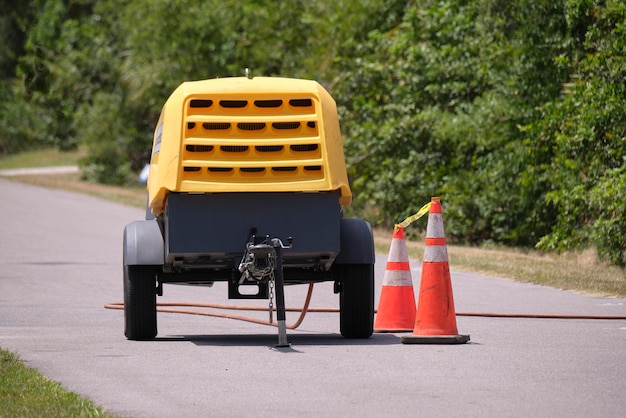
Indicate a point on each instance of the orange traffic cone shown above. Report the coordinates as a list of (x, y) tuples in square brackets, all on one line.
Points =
[(435, 322), (396, 308)]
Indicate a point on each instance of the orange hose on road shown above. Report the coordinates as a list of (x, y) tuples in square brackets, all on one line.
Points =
[(166, 307), (540, 316), (163, 307)]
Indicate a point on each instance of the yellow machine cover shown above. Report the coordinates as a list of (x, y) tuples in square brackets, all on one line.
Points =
[(264, 134)]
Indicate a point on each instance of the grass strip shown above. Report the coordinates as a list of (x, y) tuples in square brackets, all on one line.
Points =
[(48, 157), (24, 392), (580, 272)]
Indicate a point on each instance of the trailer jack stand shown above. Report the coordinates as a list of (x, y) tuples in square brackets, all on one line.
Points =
[(272, 265), (280, 294)]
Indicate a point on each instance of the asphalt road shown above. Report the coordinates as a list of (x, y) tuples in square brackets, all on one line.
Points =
[(60, 263)]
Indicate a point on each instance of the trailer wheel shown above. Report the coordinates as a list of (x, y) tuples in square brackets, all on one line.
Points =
[(356, 300), (140, 302)]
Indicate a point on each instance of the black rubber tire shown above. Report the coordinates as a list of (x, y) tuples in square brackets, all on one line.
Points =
[(356, 300), (140, 321)]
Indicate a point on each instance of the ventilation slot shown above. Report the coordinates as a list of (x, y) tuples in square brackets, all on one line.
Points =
[(286, 125), (284, 169), (191, 125), (304, 147), (312, 167), (191, 169), (311, 124), (199, 148), (269, 148), (268, 103), (219, 169), (301, 102), (233, 104), (251, 126), (252, 169), (200, 103), (216, 126), (234, 148)]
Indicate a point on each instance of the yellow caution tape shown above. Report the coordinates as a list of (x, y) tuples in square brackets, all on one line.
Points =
[(423, 211)]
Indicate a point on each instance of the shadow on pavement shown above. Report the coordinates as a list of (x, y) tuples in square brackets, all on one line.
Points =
[(270, 340)]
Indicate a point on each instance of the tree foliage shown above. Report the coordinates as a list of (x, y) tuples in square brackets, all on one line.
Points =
[(435, 108), (513, 111), (584, 134)]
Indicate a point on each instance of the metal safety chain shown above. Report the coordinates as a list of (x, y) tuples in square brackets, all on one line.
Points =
[(251, 267), (271, 281), (259, 262)]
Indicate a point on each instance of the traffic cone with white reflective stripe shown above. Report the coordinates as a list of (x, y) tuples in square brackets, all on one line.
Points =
[(396, 308), (435, 322)]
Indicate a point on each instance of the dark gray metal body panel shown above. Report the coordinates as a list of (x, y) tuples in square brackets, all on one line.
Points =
[(143, 244), (213, 228)]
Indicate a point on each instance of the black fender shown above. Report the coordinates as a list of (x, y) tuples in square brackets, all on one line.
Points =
[(357, 242), (143, 244)]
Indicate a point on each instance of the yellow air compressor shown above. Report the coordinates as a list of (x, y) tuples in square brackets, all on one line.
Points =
[(247, 185)]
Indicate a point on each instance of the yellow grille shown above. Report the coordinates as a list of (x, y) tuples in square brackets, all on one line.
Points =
[(253, 140)]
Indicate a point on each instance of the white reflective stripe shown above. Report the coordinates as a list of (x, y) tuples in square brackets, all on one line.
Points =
[(397, 251), (435, 253), (434, 229), (397, 278)]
